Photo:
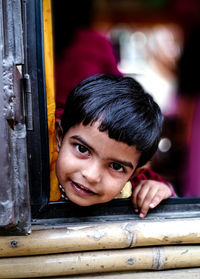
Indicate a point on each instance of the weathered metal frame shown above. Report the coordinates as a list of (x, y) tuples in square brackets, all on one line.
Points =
[(14, 190)]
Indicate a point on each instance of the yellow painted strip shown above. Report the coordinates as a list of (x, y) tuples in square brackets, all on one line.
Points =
[(50, 92)]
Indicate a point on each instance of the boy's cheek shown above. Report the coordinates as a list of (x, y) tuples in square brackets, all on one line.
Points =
[(57, 168), (66, 164), (115, 189), (61, 166)]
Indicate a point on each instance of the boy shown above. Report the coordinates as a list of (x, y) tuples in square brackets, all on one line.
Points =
[(110, 128)]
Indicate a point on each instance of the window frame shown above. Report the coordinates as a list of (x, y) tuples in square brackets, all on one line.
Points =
[(37, 140), (41, 207)]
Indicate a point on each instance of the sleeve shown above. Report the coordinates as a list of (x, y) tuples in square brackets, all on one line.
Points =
[(148, 174)]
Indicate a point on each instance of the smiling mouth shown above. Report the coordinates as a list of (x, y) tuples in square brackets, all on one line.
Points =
[(82, 189)]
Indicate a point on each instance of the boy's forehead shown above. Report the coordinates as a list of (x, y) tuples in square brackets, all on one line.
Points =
[(100, 142)]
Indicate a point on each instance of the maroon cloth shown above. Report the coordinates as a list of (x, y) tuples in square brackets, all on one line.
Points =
[(148, 174), (89, 53)]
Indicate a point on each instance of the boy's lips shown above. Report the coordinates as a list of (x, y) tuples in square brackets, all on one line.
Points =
[(82, 189)]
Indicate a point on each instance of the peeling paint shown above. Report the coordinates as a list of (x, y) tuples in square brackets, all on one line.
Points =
[(97, 234), (130, 261), (8, 90)]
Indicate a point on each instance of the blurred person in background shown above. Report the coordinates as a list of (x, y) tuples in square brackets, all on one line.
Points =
[(80, 51)]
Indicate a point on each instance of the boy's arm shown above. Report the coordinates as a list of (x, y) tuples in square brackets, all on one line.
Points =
[(149, 189)]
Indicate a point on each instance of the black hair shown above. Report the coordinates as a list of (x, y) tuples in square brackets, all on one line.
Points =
[(122, 107)]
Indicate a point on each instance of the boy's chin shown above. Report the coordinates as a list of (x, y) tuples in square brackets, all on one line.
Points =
[(84, 203)]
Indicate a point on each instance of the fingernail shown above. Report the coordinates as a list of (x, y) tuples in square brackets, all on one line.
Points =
[(136, 210), (152, 205), (141, 215)]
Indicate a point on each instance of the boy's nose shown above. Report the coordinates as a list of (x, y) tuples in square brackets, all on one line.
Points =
[(92, 173)]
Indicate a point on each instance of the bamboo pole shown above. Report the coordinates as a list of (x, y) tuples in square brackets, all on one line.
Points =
[(102, 236), (191, 273), (159, 258)]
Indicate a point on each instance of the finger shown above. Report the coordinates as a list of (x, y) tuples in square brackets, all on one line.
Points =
[(135, 192), (159, 196), (141, 192), (148, 202), (153, 198)]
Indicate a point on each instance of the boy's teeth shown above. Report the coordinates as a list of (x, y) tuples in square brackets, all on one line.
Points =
[(81, 187), (84, 188)]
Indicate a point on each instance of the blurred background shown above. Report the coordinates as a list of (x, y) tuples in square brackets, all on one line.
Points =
[(157, 42)]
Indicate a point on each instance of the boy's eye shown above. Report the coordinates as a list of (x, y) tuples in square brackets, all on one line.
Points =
[(117, 167), (82, 149)]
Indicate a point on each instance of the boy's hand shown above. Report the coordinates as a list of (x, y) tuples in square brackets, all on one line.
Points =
[(148, 194)]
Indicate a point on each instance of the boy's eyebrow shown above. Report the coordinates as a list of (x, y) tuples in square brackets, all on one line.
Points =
[(82, 141), (125, 163)]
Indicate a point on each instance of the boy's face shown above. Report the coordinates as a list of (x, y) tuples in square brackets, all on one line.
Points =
[(91, 167)]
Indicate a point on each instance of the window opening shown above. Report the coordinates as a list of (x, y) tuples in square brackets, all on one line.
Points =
[(125, 38)]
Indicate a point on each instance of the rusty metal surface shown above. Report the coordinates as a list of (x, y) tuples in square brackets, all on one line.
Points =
[(14, 195)]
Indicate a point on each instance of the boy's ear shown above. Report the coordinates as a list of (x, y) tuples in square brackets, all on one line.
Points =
[(58, 134), (135, 173)]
